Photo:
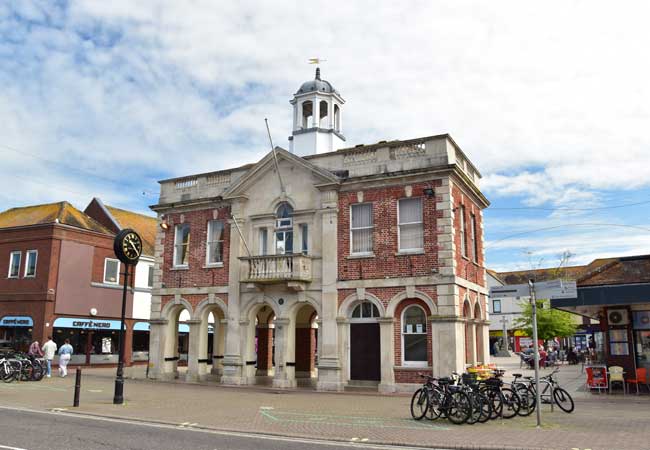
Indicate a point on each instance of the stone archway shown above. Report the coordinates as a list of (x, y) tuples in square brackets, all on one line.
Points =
[(469, 340), (174, 342), (306, 338), (209, 336), (478, 333)]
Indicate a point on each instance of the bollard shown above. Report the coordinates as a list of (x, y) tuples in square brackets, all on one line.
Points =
[(77, 388)]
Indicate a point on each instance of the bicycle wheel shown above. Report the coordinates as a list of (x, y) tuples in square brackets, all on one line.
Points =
[(477, 405), (563, 400), (436, 397), (6, 373), (495, 401), (459, 408), (486, 408), (37, 371), (511, 403), (528, 401), (419, 404)]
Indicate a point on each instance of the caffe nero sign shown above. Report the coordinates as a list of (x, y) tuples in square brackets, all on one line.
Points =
[(16, 321), (82, 323)]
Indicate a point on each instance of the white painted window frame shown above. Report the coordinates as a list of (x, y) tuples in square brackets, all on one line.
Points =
[(117, 278), (11, 259), (209, 263), (176, 227), (473, 233), (399, 227), (371, 228), (463, 232), (263, 240), (406, 363), (150, 270), (27, 253)]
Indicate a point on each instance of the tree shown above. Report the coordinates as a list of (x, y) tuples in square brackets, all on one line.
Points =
[(551, 323)]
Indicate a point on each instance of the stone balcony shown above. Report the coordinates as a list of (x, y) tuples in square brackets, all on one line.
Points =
[(293, 269)]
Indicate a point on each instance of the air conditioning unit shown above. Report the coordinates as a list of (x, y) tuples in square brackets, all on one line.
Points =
[(618, 317)]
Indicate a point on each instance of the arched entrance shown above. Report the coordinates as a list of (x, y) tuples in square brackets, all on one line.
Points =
[(365, 347), (306, 343), (478, 332), (211, 339), (467, 315), (176, 339), (259, 345)]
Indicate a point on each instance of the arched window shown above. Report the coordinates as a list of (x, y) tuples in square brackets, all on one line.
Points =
[(337, 118), (414, 336), (365, 310), (307, 113), (284, 229), (323, 121)]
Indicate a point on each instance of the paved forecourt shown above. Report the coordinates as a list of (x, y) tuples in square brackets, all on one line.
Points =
[(599, 422)]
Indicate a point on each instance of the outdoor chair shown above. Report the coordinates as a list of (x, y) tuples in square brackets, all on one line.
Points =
[(641, 378), (616, 376)]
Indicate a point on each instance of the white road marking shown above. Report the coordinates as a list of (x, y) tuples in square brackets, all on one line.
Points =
[(241, 434), (12, 448)]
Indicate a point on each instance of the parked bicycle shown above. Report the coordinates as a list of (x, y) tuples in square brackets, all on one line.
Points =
[(551, 392), (439, 397)]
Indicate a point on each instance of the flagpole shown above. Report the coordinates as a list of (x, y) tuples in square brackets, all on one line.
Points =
[(275, 156)]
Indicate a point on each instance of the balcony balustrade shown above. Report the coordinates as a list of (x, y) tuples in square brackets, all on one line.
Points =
[(270, 269)]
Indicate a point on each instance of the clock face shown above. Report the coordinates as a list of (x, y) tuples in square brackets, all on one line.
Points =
[(128, 246), (132, 246)]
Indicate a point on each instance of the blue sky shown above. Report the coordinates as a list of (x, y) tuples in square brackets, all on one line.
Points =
[(551, 102)]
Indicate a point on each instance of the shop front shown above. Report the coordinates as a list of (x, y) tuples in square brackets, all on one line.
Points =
[(16, 332), (641, 328), (95, 341)]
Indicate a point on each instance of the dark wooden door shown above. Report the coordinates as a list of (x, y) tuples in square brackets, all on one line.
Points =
[(365, 352)]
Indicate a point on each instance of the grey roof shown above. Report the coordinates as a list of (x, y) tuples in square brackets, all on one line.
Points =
[(317, 85)]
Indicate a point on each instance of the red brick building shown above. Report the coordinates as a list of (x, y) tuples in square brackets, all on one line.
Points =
[(359, 265), (60, 278)]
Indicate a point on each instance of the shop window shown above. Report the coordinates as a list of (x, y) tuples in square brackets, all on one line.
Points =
[(181, 245), (361, 228), (365, 310), (14, 264), (414, 336), (111, 271), (496, 306), (215, 242), (410, 233), (30, 263)]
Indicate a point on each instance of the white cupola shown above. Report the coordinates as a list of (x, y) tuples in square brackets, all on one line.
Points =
[(316, 118)]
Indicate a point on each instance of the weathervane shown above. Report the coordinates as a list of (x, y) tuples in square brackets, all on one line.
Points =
[(316, 60)]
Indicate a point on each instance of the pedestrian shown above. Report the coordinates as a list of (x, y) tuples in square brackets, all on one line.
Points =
[(65, 353), (35, 350), (49, 350)]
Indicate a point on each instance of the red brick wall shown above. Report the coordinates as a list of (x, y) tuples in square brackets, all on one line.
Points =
[(194, 299), (197, 275), (264, 348), (466, 267), (386, 263)]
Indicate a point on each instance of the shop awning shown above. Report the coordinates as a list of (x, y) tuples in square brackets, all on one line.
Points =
[(86, 324), (16, 321), (591, 299)]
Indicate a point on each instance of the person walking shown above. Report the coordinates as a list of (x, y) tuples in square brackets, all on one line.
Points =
[(65, 353), (49, 350)]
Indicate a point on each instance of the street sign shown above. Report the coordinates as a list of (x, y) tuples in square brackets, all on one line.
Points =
[(551, 289)]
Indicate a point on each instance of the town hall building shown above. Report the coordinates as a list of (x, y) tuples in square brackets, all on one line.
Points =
[(323, 264)]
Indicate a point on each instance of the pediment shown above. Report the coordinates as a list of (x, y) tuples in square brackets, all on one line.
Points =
[(267, 163)]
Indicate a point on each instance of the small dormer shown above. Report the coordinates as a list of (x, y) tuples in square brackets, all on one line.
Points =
[(316, 118)]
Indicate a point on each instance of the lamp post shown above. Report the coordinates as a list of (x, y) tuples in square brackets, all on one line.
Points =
[(118, 397), (538, 399)]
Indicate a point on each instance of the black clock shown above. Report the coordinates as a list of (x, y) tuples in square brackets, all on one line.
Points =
[(128, 246)]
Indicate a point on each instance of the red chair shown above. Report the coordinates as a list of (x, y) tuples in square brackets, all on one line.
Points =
[(596, 378), (641, 378)]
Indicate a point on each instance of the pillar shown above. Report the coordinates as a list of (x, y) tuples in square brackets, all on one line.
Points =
[(285, 365), (232, 360), (387, 347), (448, 345), (157, 329), (329, 362), (194, 357), (218, 346), (471, 327)]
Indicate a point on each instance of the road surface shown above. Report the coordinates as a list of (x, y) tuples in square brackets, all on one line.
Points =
[(22, 429)]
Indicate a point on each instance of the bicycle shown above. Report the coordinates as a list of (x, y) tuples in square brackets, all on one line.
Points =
[(505, 401), (440, 398), (552, 392)]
